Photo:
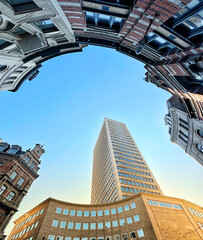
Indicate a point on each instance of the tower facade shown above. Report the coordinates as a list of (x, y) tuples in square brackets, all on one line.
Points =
[(18, 170), (119, 169)]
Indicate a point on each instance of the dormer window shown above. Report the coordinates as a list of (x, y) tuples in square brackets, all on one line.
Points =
[(12, 150)]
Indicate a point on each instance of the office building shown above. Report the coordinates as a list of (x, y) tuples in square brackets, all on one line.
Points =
[(119, 169), (143, 216), (18, 170), (184, 131)]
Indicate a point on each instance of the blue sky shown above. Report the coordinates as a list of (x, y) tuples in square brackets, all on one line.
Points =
[(64, 108)]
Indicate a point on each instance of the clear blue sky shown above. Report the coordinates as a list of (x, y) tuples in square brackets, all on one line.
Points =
[(64, 108)]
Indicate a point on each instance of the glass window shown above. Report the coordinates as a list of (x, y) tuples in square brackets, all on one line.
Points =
[(100, 225), (65, 211), (59, 238), (67, 238), (20, 181), (120, 209), (132, 235), (70, 225), (10, 196), (126, 208), (85, 226), (55, 223), (36, 224), (79, 213), (124, 236), (140, 233), (93, 213), (58, 210), (78, 226), (177, 206), (122, 222), (129, 220), (100, 213), (76, 238), (84, 238), (2, 189), (106, 212), (13, 175), (51, 237), (133, 205), (136, 218), (72, 213), (115, 223), (62, 224), (113, 211), (41, 211), (86, 213), (107, 224), (93, 226)]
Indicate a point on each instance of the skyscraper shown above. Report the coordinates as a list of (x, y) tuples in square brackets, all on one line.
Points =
[(119, 169)]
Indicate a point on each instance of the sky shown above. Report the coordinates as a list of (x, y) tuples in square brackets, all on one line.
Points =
[(64, 108)]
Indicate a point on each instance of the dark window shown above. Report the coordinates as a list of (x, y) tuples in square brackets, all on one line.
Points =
[(23, 6)]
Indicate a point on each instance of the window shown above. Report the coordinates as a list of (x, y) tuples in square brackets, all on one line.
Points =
[(100, 225), (65, 211), (120, 209), (67, 238), (129, 220), (106, 212), (136, 218), (10, 196), (140, 233), (59, 238), (122, 222), (36, 224), (62, 224), (177, 206), (78, 226), (132, 235), (72, 213), (115, 223), (200, 133), (32, 165), (93, 213), (93, 226), (86, 213), (124, 236), (100, 213), (2, 189), (59, 210), (133, 205), (107, 224), (199, 147), (85, 226), (70, 225), (13, 175), (113, 211), (27, 159), (51, 237), (126, 208), (79, 213), (55, 223)]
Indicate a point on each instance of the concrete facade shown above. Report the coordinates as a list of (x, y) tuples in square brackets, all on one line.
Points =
[(142, 216), (18, 170), (119, 169)]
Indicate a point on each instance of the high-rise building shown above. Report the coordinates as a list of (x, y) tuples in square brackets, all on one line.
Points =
[(18, 170), (119, 169)]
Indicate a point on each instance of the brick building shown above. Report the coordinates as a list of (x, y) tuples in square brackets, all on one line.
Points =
[(166, 35), (142, 216), (18, 170)]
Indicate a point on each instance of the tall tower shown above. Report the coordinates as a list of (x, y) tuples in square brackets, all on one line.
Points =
[(18, 170), (119, 169)]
